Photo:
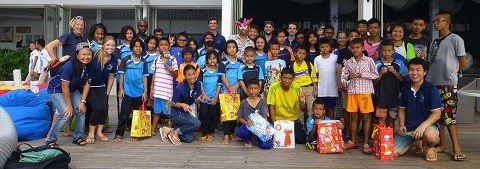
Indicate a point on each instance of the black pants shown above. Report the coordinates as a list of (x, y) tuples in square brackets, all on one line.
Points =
[(209, 117), (98, 105), (229, 127), (300, 135), (128, 105)]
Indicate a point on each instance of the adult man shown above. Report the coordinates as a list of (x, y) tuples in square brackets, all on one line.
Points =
[(420, 108), (419, 41), (329, 31), (287, 102), (142, 27), (158, 33), (268, 32), (446, 57), (219, 39), (292, 30)]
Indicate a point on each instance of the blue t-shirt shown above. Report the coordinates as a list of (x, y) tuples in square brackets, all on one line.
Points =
[(133, 75), (260, 60), (183, 94), (70, 41), (311, 122), (231, 71), (149, 58), (178, 54), (66, 73), (211, 80), (94, 46), (100, 76), (285, 56), (419, 105), (124, 50)]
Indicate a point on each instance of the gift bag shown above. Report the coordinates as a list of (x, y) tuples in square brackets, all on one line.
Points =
[(329, 137), (141, 123), (383, 143), (261, 127), (228, 107), (284, 136)]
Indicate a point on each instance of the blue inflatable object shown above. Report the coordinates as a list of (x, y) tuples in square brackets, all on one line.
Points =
[(29, 112)]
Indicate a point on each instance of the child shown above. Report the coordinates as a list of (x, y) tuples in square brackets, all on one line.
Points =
[(318, 115), (126, 34), (132, 86), (404, 50), (253, 32), (274, 66), (373, 41), (97, 32), (252, 104), (286, 52), (187, 54), (306, 77), (232, 64), (248, 72), (362, 29), (209, 46), (44, 60), (149, 57), (211, 85), (208, 36), (312, 47), (33, 70), (261, 52), (172, 39), (360, 70), (166, 69), (391, 73), (326, 66), (192, 43)]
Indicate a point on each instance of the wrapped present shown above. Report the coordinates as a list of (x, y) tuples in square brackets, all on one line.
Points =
[(261, 127), (383, 143), (141, 123), (284, 136), (329, 137), (228, 107)]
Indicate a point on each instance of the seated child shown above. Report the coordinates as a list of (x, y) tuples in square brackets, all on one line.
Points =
[(247, 106), (317, 116)]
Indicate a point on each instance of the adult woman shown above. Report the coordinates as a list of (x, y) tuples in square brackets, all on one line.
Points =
[(97, 33), (342, 41), (185, 94), (105, 67), (180, 44), (64, 90)]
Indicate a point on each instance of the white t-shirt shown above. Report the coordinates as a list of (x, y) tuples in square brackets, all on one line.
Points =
[(45, 58), (327, 75), (31, 67)]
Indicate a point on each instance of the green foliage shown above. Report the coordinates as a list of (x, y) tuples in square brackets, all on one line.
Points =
[(13, 59)]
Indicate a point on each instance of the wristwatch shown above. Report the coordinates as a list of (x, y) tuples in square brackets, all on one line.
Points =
[(83, 101)]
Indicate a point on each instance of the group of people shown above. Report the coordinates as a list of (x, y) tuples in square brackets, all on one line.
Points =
[(289, 74)]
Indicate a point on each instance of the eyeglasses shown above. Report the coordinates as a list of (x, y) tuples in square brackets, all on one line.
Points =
[(438, 21), (182, 40)]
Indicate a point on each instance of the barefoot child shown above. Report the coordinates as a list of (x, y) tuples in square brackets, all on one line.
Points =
[(252, 104)]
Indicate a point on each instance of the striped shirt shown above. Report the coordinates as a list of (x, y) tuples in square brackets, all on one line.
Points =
[(364, 84), (163, 82)]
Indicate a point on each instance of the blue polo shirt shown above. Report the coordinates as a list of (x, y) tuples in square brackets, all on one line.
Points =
[(133, 75), (219, 42), (149, 58), (66, 73), (183, 94), (419, 105), (124, 50), (70, 41), (231, 71), (210, 81), (100, 76), (260, 60)]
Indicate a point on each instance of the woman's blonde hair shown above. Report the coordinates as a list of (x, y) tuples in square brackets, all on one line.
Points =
[(74, 20), (101, 53)]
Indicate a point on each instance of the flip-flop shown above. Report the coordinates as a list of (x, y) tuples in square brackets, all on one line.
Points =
[(162, 135), (102, 139), (90, 141), (459, 157), (175, 141), (79, 142)]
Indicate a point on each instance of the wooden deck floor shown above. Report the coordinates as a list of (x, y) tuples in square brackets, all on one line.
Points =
[(153, 153)]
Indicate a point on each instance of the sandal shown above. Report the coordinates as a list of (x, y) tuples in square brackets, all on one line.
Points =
[(459, 157), (175, 140), (90, 141), (203, 138), (163, 135), (51, 144), (79, 142), (431, 155), (350, 145), (117, 139), (367, 149), (102, 138)]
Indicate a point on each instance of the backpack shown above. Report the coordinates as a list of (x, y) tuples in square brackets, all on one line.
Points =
[(60, 161), (309, 68)]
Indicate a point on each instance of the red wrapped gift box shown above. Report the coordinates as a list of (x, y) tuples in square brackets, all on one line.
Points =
[(329, 137), (383, 144)]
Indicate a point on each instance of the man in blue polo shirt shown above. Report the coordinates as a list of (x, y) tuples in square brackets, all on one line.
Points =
[(219, 39), (420, 109)]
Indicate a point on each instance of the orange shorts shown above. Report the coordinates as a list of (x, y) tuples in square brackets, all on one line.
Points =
[(362, 102)]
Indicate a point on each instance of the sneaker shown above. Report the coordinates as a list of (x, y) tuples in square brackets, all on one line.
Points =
[(367, 149), (350, 145)]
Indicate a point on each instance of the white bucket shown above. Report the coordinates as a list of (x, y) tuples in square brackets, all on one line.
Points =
[(17, 77), (34, 87)]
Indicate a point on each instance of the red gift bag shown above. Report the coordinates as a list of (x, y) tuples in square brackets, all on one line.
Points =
[(383, 143), (329, 137)]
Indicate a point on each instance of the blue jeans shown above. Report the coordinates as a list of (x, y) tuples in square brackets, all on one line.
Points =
[(247, 135), (187, 125), (59, 103)]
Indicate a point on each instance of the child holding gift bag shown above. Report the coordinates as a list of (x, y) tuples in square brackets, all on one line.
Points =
[(318, 115), (250, 105)]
